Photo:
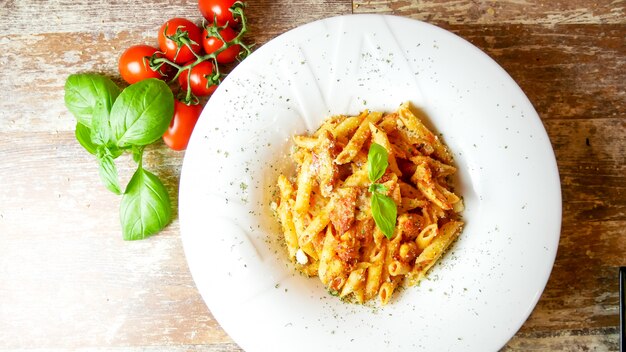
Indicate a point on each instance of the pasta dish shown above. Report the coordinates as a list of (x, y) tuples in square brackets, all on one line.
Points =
[(371, 206)]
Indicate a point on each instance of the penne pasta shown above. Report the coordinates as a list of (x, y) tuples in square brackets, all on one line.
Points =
[(328, 219)]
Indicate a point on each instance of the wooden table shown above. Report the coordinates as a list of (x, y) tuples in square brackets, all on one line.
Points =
[(68, 281)]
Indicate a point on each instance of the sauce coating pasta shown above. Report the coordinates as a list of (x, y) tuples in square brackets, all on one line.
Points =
[(326, 215)]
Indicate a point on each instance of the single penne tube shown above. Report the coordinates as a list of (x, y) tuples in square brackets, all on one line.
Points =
[(426, 236), (305, 142), (348, 125), (421, 133), (385, 292), (450, 197), (289, 229), (285, 216), (298, 221), (285, 187), (325, 168), (358, 139), (374, 274), (391, 252), (389, 123), (408, 251), (305, 185), (336, 274), (433, 194), (309, 249), (318, 223), (356, 279), (326, 256), (359, 295), (396, 268)]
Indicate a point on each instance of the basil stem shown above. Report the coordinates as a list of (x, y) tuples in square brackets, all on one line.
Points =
[(108, 170)]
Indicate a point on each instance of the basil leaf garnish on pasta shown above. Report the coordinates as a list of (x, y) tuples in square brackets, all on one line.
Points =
[(384, 212), (377, 162)]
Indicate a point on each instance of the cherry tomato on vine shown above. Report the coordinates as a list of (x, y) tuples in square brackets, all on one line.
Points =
[(218, 9), (213, 44), (177, 33), (184, 120), (134, 64), (199, 80)]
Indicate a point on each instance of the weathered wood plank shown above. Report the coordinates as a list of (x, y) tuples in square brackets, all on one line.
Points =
[(269, 18), (567, 340), (69, 278), (499, 12)]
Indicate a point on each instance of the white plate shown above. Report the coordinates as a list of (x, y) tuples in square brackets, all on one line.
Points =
[(482, 290)]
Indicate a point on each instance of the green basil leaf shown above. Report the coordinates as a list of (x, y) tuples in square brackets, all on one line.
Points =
[(101, 133), (377, 188), (83, 135), (377, 162), (142, 113), (83, 91), (384, 212), (108, 170), (145, 208)]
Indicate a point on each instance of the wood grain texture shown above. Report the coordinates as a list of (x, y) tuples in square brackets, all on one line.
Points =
[(68, 281), (544, 12)]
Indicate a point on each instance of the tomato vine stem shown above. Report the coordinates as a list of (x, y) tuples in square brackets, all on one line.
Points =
[(213, 30)]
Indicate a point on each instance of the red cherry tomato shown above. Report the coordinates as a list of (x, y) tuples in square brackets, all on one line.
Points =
[(219, 9), (180, 31), (213, 44), (185, 117), (134, 64), (198, 79)]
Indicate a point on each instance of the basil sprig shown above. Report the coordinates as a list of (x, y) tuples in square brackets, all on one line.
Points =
[(111, 121), (384, 209), (145, 207)]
